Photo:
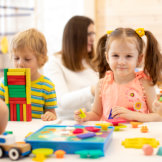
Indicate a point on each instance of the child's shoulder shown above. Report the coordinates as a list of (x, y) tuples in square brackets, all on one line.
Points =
[(46, 81)]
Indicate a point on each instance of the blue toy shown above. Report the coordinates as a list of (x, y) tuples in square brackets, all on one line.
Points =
[(61, 137)]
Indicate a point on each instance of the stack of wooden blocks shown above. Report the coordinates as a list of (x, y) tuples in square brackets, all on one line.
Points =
[(17, 85)]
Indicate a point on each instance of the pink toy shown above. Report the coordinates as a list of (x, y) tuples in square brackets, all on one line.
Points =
[(92, 129), (115, 122), (147, 149), (77, 131)]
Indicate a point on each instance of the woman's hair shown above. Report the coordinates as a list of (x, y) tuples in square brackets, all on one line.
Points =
[(32, 40), (152, 56), (74, 43)]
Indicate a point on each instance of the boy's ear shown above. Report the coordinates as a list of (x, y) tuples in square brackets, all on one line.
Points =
[(106, 56), (140, 60)]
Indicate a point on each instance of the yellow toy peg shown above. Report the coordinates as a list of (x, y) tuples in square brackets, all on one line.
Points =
[(82, 114), (4, 45)]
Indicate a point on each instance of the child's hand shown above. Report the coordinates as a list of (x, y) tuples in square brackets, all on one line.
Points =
[(157, 107), (77, 116), (122, 112), (48, 116)]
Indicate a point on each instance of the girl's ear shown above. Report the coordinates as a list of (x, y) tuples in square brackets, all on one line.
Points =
[(106, 56), (140, 60)]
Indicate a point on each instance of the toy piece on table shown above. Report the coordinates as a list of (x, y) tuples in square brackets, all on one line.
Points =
[(116, 121), (77, 131), (147, 149), (7, 132), (104, 126), (110, 115), (92, 129), (13, 149), (82, 114), (159, 152), (139, 142), (17, 85), (92, 154), (144, 129), (41, 153), (135, 124), (29, 134), (60, 154), (119, 126), (86, 135)]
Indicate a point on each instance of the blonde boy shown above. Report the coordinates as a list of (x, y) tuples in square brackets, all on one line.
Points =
[(29, 50)]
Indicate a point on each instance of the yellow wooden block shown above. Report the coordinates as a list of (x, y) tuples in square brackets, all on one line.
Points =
[(28, 78), (15, 73), (6, 95), (17, 70), (28, 95), (24, 112)]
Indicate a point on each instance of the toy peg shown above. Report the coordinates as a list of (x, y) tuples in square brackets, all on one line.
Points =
[(82, 114), (104, 126), (144, 129), (60, 153)]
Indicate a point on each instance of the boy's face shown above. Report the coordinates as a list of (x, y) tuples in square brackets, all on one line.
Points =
[(26, 59)]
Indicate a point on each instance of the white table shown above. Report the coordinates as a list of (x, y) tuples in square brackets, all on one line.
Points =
[(115, 151)]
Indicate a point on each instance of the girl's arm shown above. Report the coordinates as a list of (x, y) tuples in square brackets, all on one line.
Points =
[(3, 116), (96, 113)]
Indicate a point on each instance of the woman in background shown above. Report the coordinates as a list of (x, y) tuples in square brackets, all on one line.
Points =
[(72, 70)]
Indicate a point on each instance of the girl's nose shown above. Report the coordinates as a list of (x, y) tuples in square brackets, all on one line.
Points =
[(121, 60)]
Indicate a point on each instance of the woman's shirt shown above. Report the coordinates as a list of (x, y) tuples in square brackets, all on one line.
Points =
[(73, 89)]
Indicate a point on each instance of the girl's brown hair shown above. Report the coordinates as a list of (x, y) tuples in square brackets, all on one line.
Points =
[(32, 40), (152, 57), (74, 43)]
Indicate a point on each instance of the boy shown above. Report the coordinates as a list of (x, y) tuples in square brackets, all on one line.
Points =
[(29, 50)]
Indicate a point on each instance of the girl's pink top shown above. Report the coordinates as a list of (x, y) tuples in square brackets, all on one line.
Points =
[(131, 95)]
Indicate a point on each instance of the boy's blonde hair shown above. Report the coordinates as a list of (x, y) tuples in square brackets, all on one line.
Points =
[(32, 40)]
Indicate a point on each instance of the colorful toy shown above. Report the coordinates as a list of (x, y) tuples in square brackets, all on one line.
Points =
[(116, 121), (60, 154), (13, 149), (104, 126), (17, 85), (93, 154), (147, 149), (144, 129), (159, 152), (52, 136), (119, 126), (139, 142), (82, 114), (41, 153), (135, 124)]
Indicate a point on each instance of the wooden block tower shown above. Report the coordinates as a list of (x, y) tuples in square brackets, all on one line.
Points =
[(17, 85)]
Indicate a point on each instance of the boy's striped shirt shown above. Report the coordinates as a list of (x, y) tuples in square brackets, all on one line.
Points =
[(43, 95)]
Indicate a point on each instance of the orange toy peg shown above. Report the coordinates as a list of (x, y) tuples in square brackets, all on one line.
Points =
[(60, 153)]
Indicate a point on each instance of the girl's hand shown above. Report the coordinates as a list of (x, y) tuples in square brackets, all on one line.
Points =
[(122, 112), (157, 107), (77, 115), (48, 116)]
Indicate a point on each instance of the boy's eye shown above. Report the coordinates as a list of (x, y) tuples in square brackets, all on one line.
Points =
[(128, 56), (16, 58), (27, 59), (115, 55)]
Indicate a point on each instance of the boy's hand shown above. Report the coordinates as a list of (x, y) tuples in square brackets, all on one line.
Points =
[(77, 115), (48, 116)]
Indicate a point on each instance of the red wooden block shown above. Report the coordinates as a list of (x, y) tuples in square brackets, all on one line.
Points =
[(21, 112), (11, 112), (17, 102), (17, 99), (16, 77), (17, 83), (28, 112)]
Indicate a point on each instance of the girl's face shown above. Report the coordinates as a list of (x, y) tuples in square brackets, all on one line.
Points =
[(26, 59), (90, 37), (123, 57)]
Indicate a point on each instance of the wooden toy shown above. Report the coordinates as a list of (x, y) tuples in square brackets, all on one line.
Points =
[(13, 149), (60, 154), (17, 85), (52, 136)]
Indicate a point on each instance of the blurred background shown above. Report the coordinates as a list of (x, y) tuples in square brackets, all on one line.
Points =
[(50, 17)]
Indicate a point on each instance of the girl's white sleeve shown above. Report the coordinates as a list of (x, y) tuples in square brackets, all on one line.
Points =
[(68, 101)]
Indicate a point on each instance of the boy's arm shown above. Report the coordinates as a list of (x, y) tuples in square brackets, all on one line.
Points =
[(3, 116)]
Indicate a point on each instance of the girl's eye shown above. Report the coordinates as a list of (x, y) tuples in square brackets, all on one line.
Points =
[(115, 55), (27, 59), (128, 56)]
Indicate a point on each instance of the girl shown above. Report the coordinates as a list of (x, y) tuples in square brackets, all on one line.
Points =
[(123, 92), (29, 50)]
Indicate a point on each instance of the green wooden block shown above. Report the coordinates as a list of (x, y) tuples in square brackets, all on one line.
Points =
[(5, 77), (16, 86), (8, 105), (17, 95), (18, 112)]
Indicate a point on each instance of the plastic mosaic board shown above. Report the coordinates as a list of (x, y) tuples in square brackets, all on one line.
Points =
[(63, 137)]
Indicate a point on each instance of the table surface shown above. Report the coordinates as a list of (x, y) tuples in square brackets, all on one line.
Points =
[(115, 151)]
